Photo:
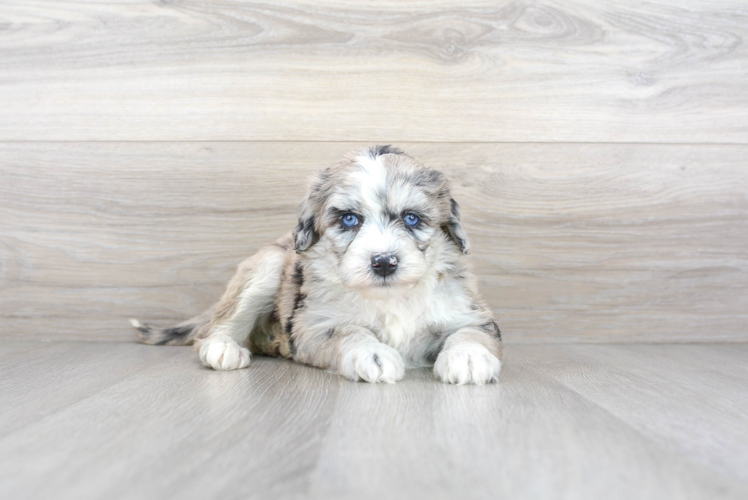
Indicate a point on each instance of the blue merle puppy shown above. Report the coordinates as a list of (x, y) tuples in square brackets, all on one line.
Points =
[(372, 281)]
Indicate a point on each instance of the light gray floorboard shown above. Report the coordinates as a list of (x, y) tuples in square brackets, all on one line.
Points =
[(566, 421), (39, 382), (696, 411), (12, 349), (725, 358), (529, 437)]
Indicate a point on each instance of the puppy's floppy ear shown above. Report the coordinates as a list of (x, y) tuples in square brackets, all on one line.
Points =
[(305, 235), (454, 227)]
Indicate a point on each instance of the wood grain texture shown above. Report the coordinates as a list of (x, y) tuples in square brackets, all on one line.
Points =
[(178, 430), (571, 241), (529, 437), (37, 383), (12, 350), (565, 422), (702, 415), (478, 70)]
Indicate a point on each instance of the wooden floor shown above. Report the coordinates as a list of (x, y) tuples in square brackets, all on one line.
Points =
[(120, 420)]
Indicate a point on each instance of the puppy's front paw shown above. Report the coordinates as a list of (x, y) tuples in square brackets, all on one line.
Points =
[(467, 364), (372, 363), (221, 352)]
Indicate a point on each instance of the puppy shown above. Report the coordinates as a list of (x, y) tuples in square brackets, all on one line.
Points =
[(371, 281)]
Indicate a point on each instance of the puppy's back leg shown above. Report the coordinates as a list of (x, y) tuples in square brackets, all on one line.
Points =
[(250, 294)]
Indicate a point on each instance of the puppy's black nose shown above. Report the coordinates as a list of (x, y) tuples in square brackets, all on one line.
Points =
[(384, 264)]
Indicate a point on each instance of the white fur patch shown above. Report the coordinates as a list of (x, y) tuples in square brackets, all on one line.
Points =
[(221, 352), (402, 313), (372, 363), (372, 179), (467, 363)]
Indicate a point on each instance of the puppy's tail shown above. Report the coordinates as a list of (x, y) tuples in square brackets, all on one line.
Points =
[(182, 334)]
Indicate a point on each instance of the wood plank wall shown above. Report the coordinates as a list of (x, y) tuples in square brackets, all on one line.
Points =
[(598, 149)]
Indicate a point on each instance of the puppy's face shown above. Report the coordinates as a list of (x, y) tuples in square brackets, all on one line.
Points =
[(382, 215)]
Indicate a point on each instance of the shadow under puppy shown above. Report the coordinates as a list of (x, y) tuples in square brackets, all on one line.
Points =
[(371, 281)]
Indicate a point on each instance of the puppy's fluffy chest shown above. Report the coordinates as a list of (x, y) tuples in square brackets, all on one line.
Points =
[(399, 320)]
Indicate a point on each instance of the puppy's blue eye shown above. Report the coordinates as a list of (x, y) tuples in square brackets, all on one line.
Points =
[(350, 220), (411, 220)]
